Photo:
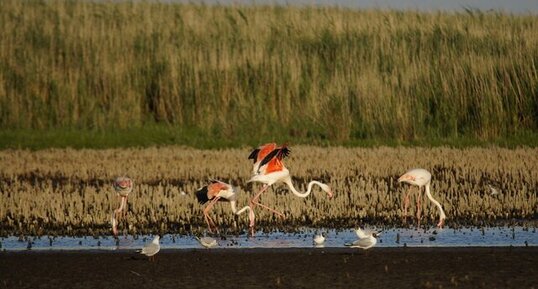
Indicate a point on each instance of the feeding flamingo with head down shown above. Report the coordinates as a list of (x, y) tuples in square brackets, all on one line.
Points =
[(220, 191), (421, 178), (269, 169), (123, 187)]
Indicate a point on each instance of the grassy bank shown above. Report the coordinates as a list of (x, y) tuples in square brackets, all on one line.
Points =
[(163, 135), (312, 74), (69, 192)]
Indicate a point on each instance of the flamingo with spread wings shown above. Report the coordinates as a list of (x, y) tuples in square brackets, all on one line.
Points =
[(269, 169)]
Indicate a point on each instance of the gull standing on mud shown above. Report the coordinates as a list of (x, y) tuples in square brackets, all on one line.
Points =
[(207, 242), (152, 248), (269, 169), (366, 239), (123, 187), (421, 178), (220, 191), (319, 239)]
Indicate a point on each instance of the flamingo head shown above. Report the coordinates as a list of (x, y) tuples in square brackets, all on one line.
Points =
[(407, 178), (123, 185), (376, 234), (441, 223), (327, 189)]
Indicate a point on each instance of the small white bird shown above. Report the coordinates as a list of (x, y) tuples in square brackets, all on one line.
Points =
[(319, 239), (207, 242), (152, 248), (494, 190), (366, 239)]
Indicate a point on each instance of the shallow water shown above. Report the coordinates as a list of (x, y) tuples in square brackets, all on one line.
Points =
[(448, 237)]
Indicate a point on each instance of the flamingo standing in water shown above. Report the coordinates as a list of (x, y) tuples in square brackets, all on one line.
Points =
[(123, 186), (421, 178), (220, 191), (269, 169)]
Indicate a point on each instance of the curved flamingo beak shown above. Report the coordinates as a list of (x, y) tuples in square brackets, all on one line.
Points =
[(441, 223), (406, 177), (330, 193)]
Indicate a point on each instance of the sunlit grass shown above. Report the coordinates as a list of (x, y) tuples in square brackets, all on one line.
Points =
[(324, 74), (66, 191)]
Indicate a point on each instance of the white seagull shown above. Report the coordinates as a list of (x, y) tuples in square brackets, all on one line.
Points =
[(319, 239), (494, 190), (366, 239), (207, 242), (150, 249)]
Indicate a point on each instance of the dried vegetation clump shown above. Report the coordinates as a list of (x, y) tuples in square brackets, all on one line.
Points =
[(69, 192)]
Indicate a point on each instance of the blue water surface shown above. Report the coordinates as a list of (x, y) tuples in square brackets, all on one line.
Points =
[(398, 237)]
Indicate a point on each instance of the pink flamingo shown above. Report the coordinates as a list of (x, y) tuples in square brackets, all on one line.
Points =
[(269, 169), (421, 178), (220, 191), (123, 186)]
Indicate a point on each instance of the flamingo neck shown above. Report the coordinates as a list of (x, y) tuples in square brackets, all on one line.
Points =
[(442, 215), (297, 193), (123, 202), (242, 210)]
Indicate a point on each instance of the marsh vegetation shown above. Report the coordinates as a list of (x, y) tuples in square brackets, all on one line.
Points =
[(245, 72), (69, 192)]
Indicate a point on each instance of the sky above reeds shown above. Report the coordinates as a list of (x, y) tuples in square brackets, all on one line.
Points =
[(514, 6)]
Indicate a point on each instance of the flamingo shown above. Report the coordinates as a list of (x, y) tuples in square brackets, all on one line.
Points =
[(220, 191), (269, 169), (421, 178), (123, 186), (366, 239), (152, 248)]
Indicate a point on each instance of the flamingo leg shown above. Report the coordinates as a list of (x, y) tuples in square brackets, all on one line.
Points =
[(206, 214), (406, 204), (117, 217), (254, 202), (124, 210), (114, 226), (419, 208), (118, 210), (272, 210)]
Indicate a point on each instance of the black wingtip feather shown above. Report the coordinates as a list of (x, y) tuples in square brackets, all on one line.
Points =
[(201, 195), (254, 155)]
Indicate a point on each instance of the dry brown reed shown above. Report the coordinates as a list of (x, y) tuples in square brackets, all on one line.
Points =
[(69, 192)]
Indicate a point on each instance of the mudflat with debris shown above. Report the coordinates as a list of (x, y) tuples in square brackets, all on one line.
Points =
[(492, 267)]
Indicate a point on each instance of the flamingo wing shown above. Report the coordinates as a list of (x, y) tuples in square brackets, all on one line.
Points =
[(210, 191), (261, 152), (254, 155), (278, 153)]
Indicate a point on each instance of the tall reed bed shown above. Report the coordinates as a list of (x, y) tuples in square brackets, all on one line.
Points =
[(70, 191), (324, 73)]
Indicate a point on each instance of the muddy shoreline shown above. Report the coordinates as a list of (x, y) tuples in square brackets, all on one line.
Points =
[(504, 267)]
